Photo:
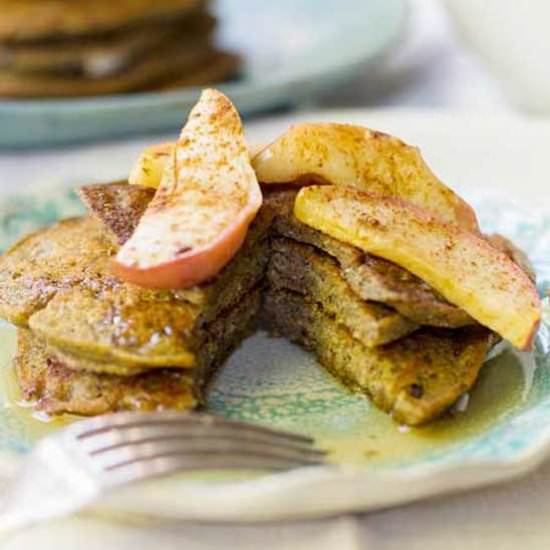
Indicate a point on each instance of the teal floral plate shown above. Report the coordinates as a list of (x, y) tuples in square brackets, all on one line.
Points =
[(500, 430)]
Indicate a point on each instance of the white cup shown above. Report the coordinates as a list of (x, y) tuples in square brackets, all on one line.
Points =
[(512, 37)]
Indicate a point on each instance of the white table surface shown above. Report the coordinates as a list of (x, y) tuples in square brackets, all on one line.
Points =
[(432, 71)]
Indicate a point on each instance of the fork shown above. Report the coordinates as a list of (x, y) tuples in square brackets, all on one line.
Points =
[(69, 470)]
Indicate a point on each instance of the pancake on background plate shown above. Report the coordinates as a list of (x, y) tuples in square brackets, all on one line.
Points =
[(68, 48)]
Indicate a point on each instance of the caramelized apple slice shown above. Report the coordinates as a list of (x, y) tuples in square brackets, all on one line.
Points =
[(466, 269), (149, 168), (354, 156), (200, 214)]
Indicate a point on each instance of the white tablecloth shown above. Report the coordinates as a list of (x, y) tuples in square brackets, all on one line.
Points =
[(433, 70)]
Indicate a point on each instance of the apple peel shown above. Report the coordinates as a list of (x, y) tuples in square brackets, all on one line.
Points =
[(199, 216)]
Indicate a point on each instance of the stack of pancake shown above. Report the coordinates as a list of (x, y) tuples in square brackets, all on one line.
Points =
[(94, 47), (89, 343), (376, 327)]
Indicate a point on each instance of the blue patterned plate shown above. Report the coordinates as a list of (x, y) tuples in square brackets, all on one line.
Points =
[(291, 50), (503, 431)]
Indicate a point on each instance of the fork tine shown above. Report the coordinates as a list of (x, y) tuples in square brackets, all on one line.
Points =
[(144, 450), (88, 428), (127, 447), (163, 465), (104, 441)]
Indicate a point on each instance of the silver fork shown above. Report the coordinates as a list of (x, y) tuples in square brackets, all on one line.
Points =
[(69, 470)]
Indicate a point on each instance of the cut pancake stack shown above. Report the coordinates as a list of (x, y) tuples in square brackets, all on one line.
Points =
[(362, 316), (82, 47), (348, 270), (90, 343)]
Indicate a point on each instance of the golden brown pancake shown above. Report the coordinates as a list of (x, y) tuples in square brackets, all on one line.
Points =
[(136, 327), (170, 66), (371, 278), (24, 20), (54, 275), (60, 383), (101, 55), (64, 383), (414, 379), (318, 278), (55, 388)]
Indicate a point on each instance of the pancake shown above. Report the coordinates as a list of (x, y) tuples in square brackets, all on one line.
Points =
[(221, 66), (371, 278), (57, 389), (99, 56), (50, 277), (60, 383), (28, 20), (118, 206), (169, 66), (317, 277), (415, 379), (135, 326), (39, 265)]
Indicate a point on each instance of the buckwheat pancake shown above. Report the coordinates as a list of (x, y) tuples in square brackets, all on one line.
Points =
[(414, 379), (27, 20), (118, 206), (317, 277), (59, 382), (171, 65), (223, 333), (372, 278), (95, 344), (134, 326), (55, 388), (123, 323), (108, 54), (59, 257)]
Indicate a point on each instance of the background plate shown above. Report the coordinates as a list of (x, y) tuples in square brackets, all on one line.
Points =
[(292, 51), (504, 432)]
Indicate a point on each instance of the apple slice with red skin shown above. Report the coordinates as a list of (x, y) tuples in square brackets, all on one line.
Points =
[(463, 266), (200, 214)]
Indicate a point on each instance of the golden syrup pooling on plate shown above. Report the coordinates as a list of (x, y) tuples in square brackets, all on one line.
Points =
[(373, 438)]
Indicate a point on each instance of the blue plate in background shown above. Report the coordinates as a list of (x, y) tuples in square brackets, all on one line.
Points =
[(292, 51)]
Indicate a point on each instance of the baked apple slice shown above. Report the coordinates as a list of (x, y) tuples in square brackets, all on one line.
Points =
[(466, 269), (354, 156), (149, 168), (200, 214)]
